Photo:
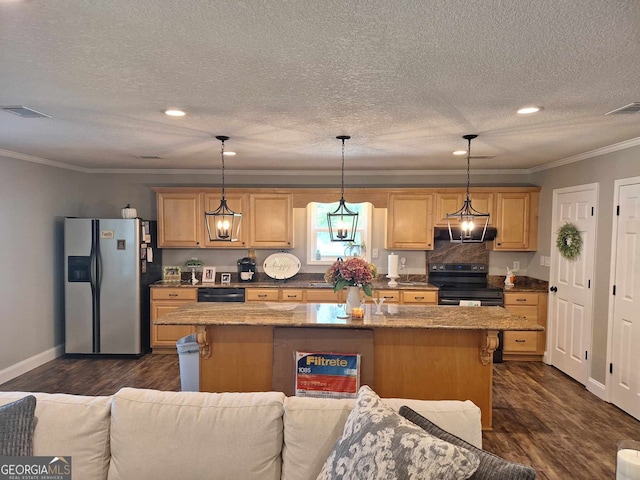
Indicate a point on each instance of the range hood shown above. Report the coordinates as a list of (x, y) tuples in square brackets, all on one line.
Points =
[(442, 233)]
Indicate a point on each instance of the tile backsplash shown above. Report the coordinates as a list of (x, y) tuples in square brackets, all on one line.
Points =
[(447, 252)]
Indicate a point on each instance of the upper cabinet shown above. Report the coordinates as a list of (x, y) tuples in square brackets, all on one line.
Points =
[(516, 221), (180, 219), (237, 203), (451, 201), (410, 222), (271, 220)]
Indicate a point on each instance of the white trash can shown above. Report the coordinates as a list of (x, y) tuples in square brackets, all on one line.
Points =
[(189, 363)]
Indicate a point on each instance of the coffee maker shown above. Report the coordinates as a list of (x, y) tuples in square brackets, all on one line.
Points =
[(247, 269)]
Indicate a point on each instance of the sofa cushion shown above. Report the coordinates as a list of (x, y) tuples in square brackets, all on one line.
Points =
[(194, 435), (379, 444), (492, 467), (16, 427), (71, 425), (304, 454)]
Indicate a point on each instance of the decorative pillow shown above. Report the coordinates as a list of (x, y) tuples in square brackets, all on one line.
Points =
[(16, 427), (491, 466), (377, 443)]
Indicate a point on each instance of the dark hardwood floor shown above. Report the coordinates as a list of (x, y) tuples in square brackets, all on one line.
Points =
[(541, 417)]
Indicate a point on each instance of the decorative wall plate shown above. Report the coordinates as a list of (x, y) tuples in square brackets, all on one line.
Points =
[(281, 265)]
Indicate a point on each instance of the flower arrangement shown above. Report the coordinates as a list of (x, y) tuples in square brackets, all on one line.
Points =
[(353, 271)]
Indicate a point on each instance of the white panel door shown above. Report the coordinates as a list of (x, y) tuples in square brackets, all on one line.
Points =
[(625, 341), (571, 296)]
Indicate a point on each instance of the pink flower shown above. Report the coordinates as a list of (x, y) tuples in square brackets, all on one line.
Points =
[(353, 271)]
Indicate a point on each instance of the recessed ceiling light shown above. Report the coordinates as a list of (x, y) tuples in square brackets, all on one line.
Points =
[(231, 154), (528, 110), (460, 152), (172, 112)]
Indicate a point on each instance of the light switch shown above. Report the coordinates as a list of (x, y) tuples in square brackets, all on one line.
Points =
[(516, 265), (542, 260), (374, 253), (547, 261)]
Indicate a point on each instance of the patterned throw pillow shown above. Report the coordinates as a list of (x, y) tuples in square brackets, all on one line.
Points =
[(379, 444), (491, 466), (16, 427)]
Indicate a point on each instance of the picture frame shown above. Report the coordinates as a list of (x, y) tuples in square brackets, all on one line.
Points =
[(225, 278), (171, 274), (208, 274)]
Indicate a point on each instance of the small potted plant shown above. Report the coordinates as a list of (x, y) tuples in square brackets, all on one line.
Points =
[(193, 264)]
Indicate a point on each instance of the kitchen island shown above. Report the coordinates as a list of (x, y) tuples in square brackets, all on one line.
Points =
[(409, 351)]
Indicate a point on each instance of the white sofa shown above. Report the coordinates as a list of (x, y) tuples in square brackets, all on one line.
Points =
[(141, 434)]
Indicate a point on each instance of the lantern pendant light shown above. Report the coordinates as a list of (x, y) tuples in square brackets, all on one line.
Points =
[(343, 223), (223, 224), (468, 217)]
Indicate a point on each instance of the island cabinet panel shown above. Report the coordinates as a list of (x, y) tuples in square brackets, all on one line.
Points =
[(241, 359), (271, 221), (452, 201), (166, 300), (526, 345), (180, 219), (237, 203), (516, 221), (432, 365), (410, 222)]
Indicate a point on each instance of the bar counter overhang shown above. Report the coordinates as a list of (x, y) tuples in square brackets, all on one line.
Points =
[(409, 351)]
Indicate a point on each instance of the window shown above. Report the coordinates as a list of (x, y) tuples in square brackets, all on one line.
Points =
[(320, 249)]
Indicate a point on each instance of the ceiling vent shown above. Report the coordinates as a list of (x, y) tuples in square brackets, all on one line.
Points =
[(631, 108), (25, 112)]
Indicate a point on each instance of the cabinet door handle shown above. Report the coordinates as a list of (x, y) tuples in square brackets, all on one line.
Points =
[(292, 296), (419, 298), (264, 295), (521, 299), (520, 341), (386, 297), (173, 294)]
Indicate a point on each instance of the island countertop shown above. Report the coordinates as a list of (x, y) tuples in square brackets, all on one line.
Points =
[(330, 315)]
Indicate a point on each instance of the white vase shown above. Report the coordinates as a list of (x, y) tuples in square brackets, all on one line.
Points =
[(353, 298)]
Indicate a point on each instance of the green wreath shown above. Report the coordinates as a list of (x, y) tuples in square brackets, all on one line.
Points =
[(569, 241)]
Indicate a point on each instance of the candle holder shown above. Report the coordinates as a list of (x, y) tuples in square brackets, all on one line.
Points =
[(392, 282), (357, 313), (628, 460)]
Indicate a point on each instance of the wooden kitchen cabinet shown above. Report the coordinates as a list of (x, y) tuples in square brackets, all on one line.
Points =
[(451, 201), (262, 294), (425, 297), (271, 220), (516, 221), (237, 203), (323, 295), (165, 300), (409, 222), (390, 296), (180, 219), (526, 345)]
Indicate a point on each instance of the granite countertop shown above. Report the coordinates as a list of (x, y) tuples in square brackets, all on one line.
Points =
[(521, 284), (328, 315), (295, 282)]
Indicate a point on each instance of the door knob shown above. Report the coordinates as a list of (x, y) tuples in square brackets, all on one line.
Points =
[(554, 289)]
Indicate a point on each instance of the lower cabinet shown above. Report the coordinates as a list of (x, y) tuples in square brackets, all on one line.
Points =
[(163, 301), (526, 345), (425, 297)]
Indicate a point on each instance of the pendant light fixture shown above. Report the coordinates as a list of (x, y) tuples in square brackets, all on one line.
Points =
[(223, 224), (468, 217), (342, 222)]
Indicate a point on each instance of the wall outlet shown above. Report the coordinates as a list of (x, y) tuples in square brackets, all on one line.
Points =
[(375, 253), (516, 265), (542, 260)]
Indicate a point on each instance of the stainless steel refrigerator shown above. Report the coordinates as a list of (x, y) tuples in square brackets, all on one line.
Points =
[(109, 265)]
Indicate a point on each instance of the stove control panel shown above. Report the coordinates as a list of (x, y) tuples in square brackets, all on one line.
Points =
[(459, 267)]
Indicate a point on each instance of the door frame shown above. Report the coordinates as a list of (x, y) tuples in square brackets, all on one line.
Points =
[(551, 319), (612, 275)]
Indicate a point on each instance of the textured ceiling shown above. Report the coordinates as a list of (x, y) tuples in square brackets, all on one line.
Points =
[(406, 79)]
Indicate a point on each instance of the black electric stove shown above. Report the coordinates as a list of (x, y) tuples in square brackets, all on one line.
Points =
[(466, 282)]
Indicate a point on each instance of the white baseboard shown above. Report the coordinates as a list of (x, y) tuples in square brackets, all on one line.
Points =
[(598, 389), (30, 363)]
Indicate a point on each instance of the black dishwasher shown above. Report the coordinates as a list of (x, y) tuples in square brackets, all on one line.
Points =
[(211, 294)]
